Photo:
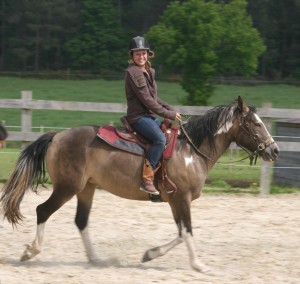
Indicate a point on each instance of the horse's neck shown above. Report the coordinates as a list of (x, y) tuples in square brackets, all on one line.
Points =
[(221, 142)]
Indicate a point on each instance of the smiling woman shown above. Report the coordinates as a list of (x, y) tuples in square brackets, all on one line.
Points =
[(3, 135)]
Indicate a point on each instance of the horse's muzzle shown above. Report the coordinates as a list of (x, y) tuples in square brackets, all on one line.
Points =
[(270, 153)]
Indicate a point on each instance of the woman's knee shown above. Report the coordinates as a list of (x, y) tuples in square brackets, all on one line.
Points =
[(161, 140)]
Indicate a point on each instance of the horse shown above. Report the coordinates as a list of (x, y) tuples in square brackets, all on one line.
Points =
[(3, 136), (78, 162)]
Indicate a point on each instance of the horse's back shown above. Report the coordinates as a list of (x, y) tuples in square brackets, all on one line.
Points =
[(66, 155), (77, 156)]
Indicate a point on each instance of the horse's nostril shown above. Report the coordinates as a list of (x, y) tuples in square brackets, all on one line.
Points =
[(276, 151)]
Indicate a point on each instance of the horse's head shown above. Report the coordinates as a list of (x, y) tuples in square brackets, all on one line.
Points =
[(251, 134)]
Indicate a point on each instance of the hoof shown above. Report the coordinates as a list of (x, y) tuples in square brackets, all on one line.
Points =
[(29, 253), (202, 268), (146, 257), (112, 261), (151, 254)]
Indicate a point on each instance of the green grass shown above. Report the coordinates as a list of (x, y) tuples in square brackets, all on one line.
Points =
[(72, 90), (8, 158), (281, 96)]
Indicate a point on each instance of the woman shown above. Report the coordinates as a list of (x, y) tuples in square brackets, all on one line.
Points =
[(143, 106)]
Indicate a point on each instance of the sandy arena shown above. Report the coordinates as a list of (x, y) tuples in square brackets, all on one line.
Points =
[(244, 239)]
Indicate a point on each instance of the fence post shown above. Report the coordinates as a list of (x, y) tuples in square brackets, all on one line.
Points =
[(265, 170), (26, 120)]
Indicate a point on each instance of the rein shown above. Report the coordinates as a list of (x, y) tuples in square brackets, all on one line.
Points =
[(191, 142)]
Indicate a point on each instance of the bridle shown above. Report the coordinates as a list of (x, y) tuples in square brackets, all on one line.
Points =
[(245, 125)]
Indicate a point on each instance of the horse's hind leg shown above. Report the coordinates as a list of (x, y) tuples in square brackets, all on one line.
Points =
[(84, 204), (44, 211)]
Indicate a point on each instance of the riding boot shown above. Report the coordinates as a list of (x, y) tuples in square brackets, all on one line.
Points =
[(148, 177)]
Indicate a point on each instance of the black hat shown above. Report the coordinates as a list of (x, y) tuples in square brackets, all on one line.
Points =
[(140, 43)]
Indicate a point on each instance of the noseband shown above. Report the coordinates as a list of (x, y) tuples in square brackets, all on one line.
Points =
[(245, 124)]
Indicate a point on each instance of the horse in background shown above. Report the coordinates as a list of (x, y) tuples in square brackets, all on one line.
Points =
[(3, 136), (78, 162)]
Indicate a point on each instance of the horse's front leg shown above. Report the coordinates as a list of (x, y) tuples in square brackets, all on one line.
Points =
[(182, 215), (84, 205), (181, 208), (194, 261)]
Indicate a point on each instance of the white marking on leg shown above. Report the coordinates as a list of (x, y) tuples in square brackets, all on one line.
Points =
[(36, 246), (88, 245), (188, 160), (194, 262), (161, 250)]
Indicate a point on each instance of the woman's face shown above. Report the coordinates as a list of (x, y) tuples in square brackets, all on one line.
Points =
[(140, 57)]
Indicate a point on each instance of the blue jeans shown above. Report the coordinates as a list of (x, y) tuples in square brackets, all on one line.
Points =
[(149, 128)]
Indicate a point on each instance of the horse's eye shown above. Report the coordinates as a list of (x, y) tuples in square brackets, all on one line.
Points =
[(257, 124)]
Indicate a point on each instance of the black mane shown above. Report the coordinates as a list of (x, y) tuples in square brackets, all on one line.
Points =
[(201, 128)]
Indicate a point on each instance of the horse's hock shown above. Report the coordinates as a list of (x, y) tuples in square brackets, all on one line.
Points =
[(286, 170)]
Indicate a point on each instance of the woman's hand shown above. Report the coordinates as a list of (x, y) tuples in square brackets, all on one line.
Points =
[(178, 117)]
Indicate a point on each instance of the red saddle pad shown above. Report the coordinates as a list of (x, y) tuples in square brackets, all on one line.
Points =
[(110, 136)]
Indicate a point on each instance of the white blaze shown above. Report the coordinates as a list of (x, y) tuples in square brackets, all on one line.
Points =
[(260, 121)]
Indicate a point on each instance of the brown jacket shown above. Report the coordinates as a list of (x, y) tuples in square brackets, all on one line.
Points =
[(141, 93)]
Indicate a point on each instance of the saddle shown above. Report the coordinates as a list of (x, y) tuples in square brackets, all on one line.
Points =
[(125, 138)]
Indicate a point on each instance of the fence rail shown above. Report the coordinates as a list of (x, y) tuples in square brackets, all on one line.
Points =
[(27, 104)]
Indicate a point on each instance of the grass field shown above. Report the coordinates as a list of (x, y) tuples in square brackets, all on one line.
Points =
[(281, 96)]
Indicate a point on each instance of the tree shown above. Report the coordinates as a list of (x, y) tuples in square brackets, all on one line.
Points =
[(279, 25), (201, 39), (99, 45), (32, 33)]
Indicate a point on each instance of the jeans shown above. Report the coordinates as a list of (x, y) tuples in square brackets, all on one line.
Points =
[(149, 128)]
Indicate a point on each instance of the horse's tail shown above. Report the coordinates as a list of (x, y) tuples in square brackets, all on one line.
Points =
[(29, 172)]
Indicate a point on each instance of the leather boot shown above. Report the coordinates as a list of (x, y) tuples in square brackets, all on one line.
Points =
[(148, 177)]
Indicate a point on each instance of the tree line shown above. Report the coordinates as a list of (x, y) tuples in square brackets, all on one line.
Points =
[(196, 39)]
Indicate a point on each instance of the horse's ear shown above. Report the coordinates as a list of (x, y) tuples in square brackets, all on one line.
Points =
[(242, 105)]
